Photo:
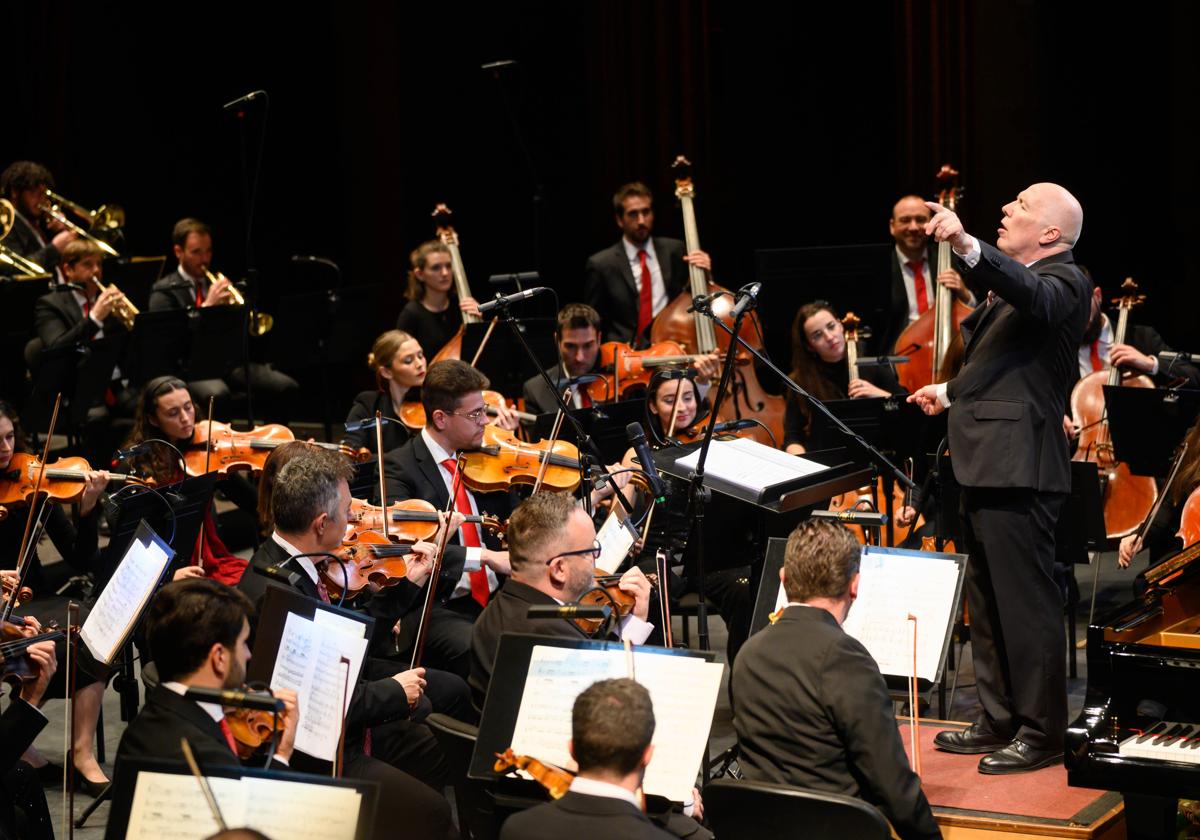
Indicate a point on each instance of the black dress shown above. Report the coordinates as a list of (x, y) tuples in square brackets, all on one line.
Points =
[(395, 434), (431, 329), (837, 375)]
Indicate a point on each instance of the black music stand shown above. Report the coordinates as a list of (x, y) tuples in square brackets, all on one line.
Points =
[(605, 424), (303, 335), (159, 345), (1166, 413), (364, 483), (504, 362), (134, 276), (218, 338), (17, 299)]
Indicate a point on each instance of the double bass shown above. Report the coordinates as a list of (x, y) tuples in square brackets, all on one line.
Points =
[(449, 238), (1128, 498), (697, 334), (933, 343)]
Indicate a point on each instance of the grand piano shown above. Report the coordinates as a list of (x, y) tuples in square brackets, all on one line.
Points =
[(1139, 731)]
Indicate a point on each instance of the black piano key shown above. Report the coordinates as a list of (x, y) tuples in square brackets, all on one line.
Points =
[(1152, 731), (1170, 733)]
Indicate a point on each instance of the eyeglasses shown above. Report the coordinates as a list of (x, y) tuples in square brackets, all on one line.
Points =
[(595, 551), (474, 416)]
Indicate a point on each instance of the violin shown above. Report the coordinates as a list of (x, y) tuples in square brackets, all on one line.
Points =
[(622, 369), (608, 593), (9, 587), (555, 780), (62, 481), (412, 413), (15, 664), (369, 558), (1189, 519), (233, 450), (409, 521), (503, 461)]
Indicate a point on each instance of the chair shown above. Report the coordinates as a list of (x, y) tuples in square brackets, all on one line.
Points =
[(689, 606), (457, 740), (763, 811)]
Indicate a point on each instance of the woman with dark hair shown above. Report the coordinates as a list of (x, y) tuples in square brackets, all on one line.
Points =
[(429, 314), (1161, 539), (398, 363), (819, 366)]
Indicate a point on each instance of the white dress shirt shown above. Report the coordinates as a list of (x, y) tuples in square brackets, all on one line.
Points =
[(474, 559), (658, 288), (305, 563)]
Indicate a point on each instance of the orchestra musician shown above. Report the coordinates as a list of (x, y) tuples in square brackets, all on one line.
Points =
[(632, 281), (24, 183), (23, 808), (429, 314), (1010, 456), (1161, 539), (398, 362), (809, 704), (914, 261), (819, 365)]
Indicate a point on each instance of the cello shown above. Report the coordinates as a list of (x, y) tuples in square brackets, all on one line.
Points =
[(1128, 498), (933, 343), (449, 238), (696, 333)]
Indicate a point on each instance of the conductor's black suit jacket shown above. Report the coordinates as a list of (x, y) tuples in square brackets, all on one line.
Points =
[(1021, 355), (610, 287), (812, 710)]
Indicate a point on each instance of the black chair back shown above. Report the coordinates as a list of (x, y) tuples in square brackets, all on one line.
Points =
[(472, 800), (740, 810)]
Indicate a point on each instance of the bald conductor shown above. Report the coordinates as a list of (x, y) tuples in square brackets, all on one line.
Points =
[(1010, 455)]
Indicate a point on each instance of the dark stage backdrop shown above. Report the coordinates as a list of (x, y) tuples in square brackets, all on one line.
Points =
[(804, 124)]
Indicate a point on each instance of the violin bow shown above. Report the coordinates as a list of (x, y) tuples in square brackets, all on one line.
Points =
[(24, 553), (653, 501), (205, 788), (1145, 526), (660, 563), (69, 720), (383, 504), (541, 476), (199, 554), (435, 572), (484, 341)]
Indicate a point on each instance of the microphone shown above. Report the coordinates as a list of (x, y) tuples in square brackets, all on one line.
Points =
[(508, 300), (1175, 356), (853, 517), (568, 611), (518, 278), (137, 449), (880, 361), (733, 426), (292, 579), (368, 423), (748, 297), (496, 66), (235, 697), (310, 258), (637, 439), (242, 100)]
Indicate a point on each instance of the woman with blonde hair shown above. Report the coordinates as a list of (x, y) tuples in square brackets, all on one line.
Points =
[(431, 314), (398, 362)]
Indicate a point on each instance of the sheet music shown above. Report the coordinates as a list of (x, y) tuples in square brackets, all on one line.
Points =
[(682, 688), (750, 465), (615, 540), (121, 603), (891, 587), (309, 663), (168, 805)]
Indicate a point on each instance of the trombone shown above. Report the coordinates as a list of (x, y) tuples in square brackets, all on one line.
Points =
[(260, 322), (26, 268), (107, 219)]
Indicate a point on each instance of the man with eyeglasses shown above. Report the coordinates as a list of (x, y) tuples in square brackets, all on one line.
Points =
[(425, 468), (553, 551)]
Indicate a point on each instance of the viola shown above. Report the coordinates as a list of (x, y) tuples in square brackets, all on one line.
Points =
[(555, 780), (62, 481), (608, 593), (409, 521), (15, 664), (233, 450), (412, 413), (370, 558), (623, 369), (503, 461)]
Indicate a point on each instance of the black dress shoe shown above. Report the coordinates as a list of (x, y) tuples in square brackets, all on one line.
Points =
[(1018, 757), (969, 741)]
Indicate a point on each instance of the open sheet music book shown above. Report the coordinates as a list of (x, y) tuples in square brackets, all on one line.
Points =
[(124, 598), (683, 689), (749, 465), (168, 806)]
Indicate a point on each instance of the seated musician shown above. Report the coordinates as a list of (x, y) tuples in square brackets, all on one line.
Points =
[(23, 808), (612, 723), (632, 281), (166, 412), (398, 363), (34, 234), (553, 551), (76, 540), (819, 365), (809, 704), (189, 287), (433, 314), (424, 468), (1161, 537)]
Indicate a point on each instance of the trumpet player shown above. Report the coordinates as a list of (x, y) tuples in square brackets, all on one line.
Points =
[(78, 311), (34, 235)]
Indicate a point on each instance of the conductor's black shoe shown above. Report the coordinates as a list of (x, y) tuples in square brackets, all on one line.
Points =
[(969, 741), (1018, 757)]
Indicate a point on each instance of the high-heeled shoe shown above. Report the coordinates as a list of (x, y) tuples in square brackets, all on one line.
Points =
[(86, 785)]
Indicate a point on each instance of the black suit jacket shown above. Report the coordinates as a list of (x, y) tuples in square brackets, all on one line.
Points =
[(172, 291), (20, 724), (365, 405), (1021, 354), (166, 718), (25, 242), (538, 398), (59, 321), (610, 288), (898, 311), (812, 710), (580, 815), (1145, 339)]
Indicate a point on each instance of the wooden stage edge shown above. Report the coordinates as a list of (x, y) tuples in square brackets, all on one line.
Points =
[(1104, 819)]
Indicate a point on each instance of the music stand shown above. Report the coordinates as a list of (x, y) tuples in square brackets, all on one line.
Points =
[(605, 424), (134, 276), (1131, 411), (94, 375), (364, 483), (17, 299), (55, 373), (504, 362), (218, 335), (159, 345)]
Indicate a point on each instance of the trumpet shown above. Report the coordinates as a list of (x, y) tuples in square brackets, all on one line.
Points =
[(260, 322), (106, 219), (123, 309), (26, 268)]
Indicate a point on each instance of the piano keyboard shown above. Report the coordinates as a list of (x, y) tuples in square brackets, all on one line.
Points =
[(1165, 741)]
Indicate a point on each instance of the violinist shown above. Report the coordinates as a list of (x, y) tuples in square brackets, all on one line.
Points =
[(432, 314), (819, 366), (914, 262), (22, 799), (425, 468), (34, 234), (632, 281), (1161, 539), (398, 363), (166, 412)]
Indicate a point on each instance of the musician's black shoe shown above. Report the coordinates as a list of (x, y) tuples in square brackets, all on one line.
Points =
[(969, 741), (1018, 757)]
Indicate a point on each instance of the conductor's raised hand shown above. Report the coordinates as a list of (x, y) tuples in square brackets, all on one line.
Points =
[(927, 400), (945, 226)]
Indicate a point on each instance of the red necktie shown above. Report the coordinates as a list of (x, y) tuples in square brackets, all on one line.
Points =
[(323, 591), (645, 298), (470, 534), (199, 294), (919, 285), (1096, 363), (585, 399), (228, 733)]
